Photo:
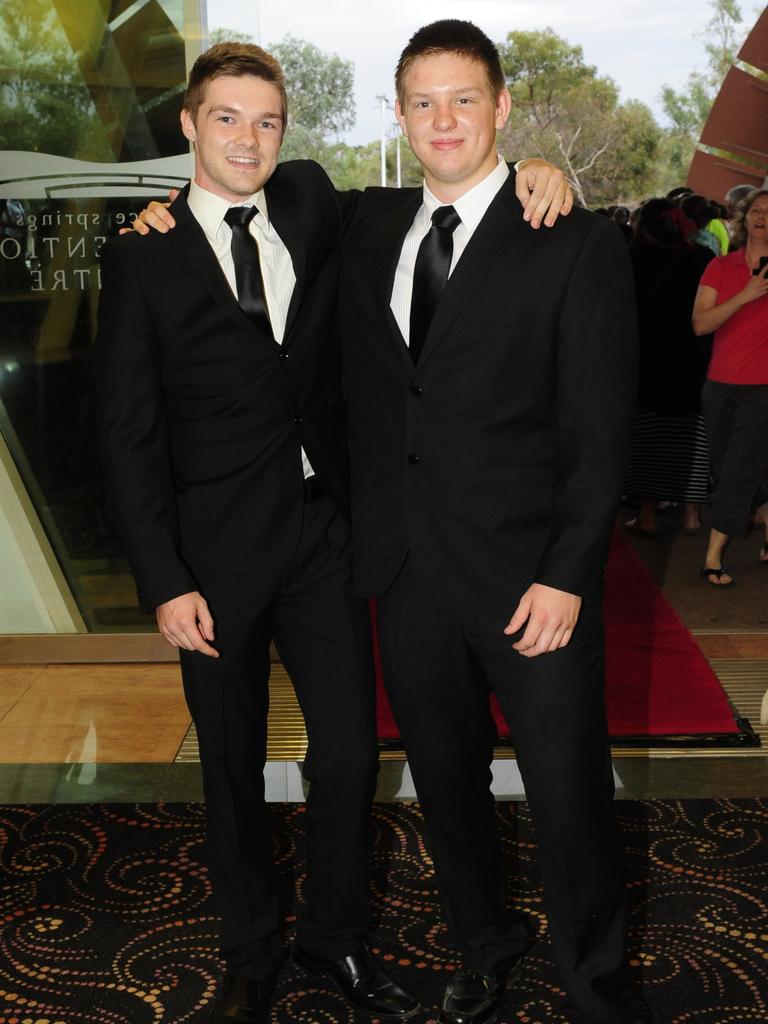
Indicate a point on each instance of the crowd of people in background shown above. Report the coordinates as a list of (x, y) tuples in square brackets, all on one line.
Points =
[(701, 428)]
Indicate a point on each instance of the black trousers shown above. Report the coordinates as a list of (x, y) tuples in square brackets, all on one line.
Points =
[(438, 668), (322, 634), (736, 418)]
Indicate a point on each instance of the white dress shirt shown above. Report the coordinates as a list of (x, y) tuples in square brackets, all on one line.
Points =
[(276, 264), (471, 207)]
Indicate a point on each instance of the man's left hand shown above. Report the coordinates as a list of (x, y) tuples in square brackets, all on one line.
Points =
[(551, 616), (544, 191)]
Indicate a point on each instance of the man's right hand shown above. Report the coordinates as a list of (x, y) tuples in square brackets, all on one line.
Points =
[(186, 622), (156, 215)]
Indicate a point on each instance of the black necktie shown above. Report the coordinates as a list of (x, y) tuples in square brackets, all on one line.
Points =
[(245, 253), (430, 274)]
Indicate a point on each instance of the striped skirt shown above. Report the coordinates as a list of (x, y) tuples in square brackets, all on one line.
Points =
[(669, 458)]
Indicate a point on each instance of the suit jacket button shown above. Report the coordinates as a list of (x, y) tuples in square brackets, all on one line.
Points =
[(283, 355), (412, 459), (297, 420), (417, 390)]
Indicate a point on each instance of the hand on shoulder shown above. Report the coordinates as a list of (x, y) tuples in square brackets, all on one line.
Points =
[(156, 216), (544, 192)]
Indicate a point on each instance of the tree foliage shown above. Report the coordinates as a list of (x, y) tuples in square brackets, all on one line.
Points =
[(360, 166), (320, 86), (724, 36), (564, 111), (688, 108), (44, 103)]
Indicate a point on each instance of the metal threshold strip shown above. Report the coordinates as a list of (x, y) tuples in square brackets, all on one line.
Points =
[(744, 680)]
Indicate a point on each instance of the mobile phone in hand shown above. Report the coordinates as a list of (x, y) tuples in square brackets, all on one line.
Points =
[(761, 263)]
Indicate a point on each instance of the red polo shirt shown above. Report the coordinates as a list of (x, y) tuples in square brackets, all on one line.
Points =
[(740, 347)]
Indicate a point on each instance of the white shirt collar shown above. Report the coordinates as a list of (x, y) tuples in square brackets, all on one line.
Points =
[(472, 205), (209, 209)]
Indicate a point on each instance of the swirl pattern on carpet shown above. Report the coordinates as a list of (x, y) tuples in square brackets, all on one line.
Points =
[(108, 917)]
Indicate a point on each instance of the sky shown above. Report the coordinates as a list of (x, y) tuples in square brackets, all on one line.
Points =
[(641, 45)]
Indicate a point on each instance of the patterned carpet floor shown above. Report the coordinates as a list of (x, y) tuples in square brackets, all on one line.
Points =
[(106, 914)]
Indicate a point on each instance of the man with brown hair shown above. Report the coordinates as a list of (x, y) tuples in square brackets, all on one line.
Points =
[(224, 434), (222, 423)]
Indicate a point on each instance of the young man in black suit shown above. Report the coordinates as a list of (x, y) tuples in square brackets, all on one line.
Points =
[(224, 436), (489, 415)]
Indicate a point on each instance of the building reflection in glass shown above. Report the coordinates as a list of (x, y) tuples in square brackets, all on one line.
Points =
[(90, 96)]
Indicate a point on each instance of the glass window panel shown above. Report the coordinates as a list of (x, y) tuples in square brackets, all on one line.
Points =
[(90, 94)]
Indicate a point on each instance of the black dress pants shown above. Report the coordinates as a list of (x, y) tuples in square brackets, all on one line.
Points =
[(322, 634), (437, 669), (736, 418)]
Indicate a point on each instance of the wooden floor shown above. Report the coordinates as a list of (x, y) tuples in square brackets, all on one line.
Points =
[(59, 714), (136, 714)]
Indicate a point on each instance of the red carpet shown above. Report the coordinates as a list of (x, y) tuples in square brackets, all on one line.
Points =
[(658, 681)]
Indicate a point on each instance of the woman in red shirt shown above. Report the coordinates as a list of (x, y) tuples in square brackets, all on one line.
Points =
[(732, 301)]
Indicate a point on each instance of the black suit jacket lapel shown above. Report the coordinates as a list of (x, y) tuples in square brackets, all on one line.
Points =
[(388, 247), (286, 222), (501, 227), (190, 240)]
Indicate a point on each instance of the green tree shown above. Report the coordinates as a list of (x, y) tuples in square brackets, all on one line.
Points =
[(539, 66), (564, 111), (352, 166), (724, 37), (628, 171), (360, 166), (45, 106), (320, 86), (688, 108)]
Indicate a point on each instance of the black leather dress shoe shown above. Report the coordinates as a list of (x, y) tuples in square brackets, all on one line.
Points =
[(362, 982), (244, 1001), (474, 998)]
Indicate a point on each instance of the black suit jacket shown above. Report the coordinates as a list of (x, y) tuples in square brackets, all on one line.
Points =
[(202, 413), (498, 460)]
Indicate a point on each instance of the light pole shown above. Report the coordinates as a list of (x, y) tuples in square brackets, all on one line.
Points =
[(383, 149), (385, 106)]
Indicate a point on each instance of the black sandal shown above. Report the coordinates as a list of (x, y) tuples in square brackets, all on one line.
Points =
[(707, 575)]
